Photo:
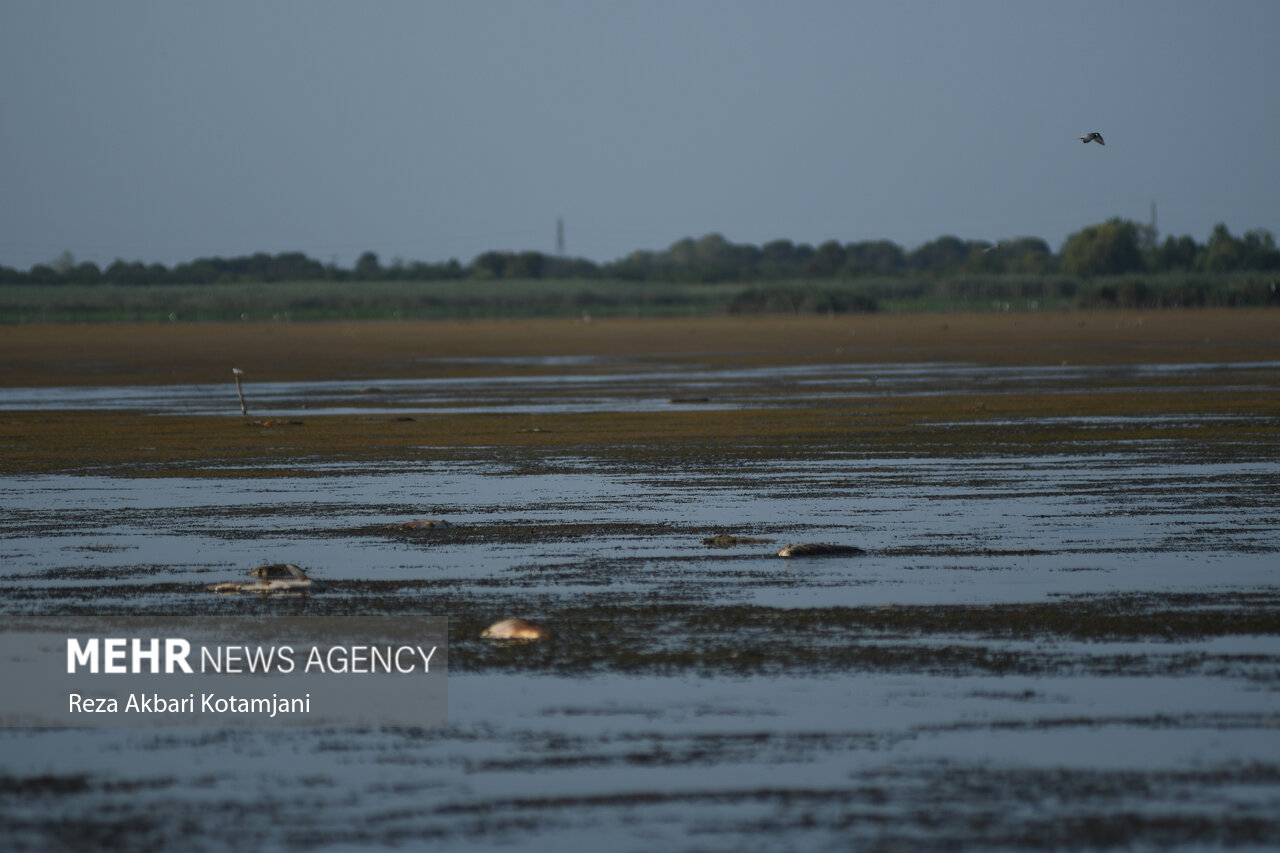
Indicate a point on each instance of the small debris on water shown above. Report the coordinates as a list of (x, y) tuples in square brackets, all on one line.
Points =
[(820, 549), (515, 629)]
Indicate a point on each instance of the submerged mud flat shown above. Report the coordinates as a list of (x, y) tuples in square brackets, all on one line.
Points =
[(1062, 630)]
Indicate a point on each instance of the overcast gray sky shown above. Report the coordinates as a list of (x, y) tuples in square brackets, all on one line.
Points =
[(165, 131)]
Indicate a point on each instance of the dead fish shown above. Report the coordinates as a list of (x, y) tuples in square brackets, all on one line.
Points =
[(280, 571), (515, 629), (274, 579), (820, 549)]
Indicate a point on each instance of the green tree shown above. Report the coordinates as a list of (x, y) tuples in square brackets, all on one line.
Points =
[(367, 267), (1223, 252), (944, 255), (135, 272), (875, 257), (637, 266), (525, 265), (1026, 256), (827, 260), (1111, 248), (575, 268), (1260, 250), (64, 263), (1176, 253), (779, 252), (713, 250), (86, 272), (43, 274), (682, 253), (157, 274), (490, 265), (294, 266)]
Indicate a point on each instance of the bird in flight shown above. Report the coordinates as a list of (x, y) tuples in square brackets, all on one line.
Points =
[(1092, 137)]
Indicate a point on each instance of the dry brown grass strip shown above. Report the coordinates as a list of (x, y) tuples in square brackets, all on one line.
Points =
[(42, 355)]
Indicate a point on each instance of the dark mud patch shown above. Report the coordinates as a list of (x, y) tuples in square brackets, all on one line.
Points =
[(99, 549), (112, 573), (727, 540)]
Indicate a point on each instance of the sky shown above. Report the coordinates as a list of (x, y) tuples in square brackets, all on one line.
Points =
[(167, 131)]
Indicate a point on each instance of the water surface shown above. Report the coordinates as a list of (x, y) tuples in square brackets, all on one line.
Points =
[(1078, 648)]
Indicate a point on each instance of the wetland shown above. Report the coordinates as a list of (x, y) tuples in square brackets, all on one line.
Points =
[(1055, 623)]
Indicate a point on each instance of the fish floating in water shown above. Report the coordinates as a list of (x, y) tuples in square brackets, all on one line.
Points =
[(274, 579), (820, 549), (515, 629)]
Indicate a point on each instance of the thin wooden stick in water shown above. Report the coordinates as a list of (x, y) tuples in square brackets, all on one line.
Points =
[(238, 373)]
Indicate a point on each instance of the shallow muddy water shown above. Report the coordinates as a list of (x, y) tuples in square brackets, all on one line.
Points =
[(1074, 648), (620, 385)]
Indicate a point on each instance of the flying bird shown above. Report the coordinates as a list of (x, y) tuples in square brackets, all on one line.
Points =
[(1092, 137)]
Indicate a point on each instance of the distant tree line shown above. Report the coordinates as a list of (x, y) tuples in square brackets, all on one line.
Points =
[(1115, 247)]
